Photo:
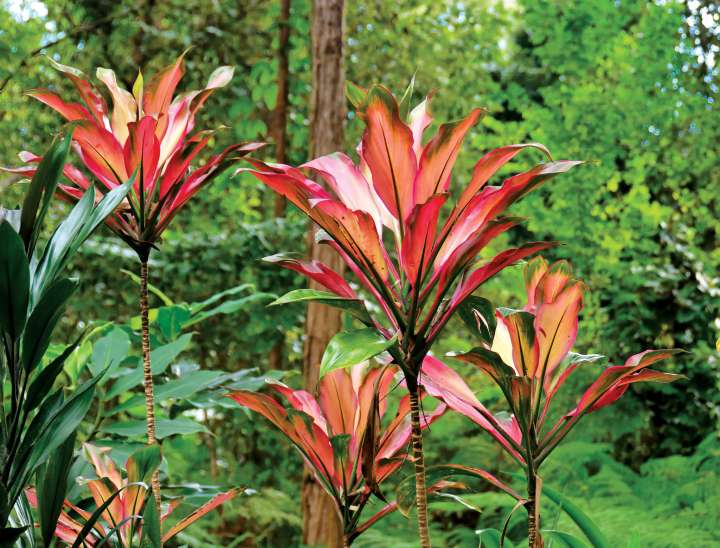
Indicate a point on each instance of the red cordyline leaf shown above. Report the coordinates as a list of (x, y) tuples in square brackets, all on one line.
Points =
[(529, 361), (400, 186), (337, 431), (148, 133), (126, 507)]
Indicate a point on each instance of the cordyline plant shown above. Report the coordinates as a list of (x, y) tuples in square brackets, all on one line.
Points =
[(383, 217), (342, 437), (121, 516), (151, 134), (35, 419), (528, 356)]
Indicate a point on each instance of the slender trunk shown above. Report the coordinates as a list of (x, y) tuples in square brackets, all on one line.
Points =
[(533, 510), (419, 459), (346, 541), (147, 373), (327, 113)]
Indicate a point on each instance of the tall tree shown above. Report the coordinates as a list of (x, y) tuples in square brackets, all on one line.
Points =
[(327, 112)]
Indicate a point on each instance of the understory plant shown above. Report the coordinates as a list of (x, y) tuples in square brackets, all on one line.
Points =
[(342, 436), (527, 353), (36, 421), (149, 132), (121, 516), (389, 219)]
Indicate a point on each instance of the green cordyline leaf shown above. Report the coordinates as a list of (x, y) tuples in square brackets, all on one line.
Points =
[(72, 232), (562, 539), (14, 282), (490, 538), (55, 421), (581, 519), (151, 533), (349, 348), (353, 306), (42, 321), (41, 189), (52, 482)]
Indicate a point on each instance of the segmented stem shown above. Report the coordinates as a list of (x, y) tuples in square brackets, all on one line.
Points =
[(147, 375), (419, 458)]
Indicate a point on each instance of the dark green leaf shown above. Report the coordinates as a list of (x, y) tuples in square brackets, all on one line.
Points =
[(349, 348), (44, 381), (51, 488), (42, 321), (42, 187), (109, 351), (55, 430), (164, 428), (563, 540), (143, 462), (581, 519), (14, 282), (151, 535)]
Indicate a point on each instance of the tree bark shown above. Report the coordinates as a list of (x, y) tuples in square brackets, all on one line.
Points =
[(321, 524), (279, 136), (279, 129), (533, 509)]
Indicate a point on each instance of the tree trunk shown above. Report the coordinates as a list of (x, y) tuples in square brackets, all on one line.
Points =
[(279, 135), (321, 525), (279, 125)]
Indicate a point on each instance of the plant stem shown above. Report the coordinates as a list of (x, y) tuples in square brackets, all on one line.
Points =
[(534, 539), (147, 374), (419, 458), (346, 541)]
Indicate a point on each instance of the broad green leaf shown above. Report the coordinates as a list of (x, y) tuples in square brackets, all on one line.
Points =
[(151, 535), (582, 520), (160, 359), (562, 539), (109, 351), (349, 348), (42, 321), (189, 384), (164, 428), (41, 189), (172, 319), (353, 306), (230, 307), (142, 463), (14, 282), (52, 483), (198, 307), (490, 538)]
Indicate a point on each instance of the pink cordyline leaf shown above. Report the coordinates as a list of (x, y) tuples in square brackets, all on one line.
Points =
[(385, 215), (333, 431), (126, 507), (529, 360), (150, 133)]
